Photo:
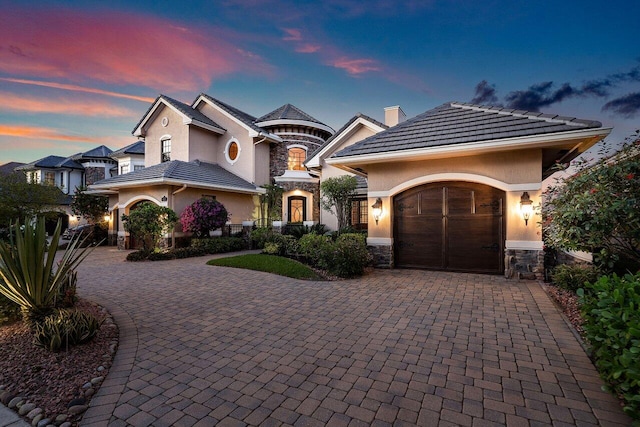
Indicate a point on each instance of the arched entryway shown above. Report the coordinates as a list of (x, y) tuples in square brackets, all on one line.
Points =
[(133, 242), (456, 226)]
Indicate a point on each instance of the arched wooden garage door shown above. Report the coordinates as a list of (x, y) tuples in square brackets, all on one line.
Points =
[(457, 226)]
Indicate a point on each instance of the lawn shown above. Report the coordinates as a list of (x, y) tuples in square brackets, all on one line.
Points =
[(270, 264)]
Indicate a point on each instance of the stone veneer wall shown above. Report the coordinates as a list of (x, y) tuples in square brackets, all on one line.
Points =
[(524, 264), (93, 174), (279, 155), (312, 188), (382, 256)]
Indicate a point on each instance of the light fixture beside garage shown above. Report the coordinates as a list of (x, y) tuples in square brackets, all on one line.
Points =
[(377, 209), (526, 207)]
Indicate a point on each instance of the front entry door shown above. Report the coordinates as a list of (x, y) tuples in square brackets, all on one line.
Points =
[(297, 209), (457, 226)]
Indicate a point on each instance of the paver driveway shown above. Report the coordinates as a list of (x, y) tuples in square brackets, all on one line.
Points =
[(205, 345)]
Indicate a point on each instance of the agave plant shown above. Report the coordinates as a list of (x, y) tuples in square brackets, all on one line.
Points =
[(28, 274)]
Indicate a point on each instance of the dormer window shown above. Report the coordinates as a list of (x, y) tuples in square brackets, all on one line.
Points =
[(297, 157), (165, 154)]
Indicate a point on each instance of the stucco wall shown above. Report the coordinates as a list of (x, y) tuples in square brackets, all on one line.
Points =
[(178, 131), (262, 164), (240, 206), (204, 145)]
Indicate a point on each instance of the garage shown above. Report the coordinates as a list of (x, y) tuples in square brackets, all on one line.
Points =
[(454, 226)]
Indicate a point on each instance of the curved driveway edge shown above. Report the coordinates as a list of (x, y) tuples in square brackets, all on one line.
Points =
[(202, 345)]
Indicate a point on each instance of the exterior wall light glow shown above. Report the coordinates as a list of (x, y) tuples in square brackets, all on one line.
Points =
[(377, 209), (526, 207), (107, 217)]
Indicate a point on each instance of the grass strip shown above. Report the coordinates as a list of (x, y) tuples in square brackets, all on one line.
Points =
[(270, 264)]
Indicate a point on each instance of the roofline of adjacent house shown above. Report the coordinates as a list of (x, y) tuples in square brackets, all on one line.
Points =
[(454, 150), (314, 162), (297, 122), (111, 188)]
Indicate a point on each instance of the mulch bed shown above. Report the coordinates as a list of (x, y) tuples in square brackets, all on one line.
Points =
[(52, 380), (568, 302)]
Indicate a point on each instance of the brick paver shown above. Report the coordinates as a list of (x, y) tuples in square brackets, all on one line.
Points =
[(205, 345)]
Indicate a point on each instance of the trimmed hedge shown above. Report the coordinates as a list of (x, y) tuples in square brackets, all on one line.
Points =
[(218, 245), (574, 277), (611, 309)]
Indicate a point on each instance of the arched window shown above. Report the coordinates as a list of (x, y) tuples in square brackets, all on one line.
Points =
[(297, 157)]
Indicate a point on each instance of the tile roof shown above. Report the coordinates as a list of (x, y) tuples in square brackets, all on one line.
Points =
[(458, 123), (135, 148), (195, 173), (245, 118), (101, 151), (288, 112), (183, 108), (346, 126), (9, 168), (52, 162)]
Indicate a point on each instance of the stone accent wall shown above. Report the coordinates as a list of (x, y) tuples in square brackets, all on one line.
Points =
[(279, 156), (382, 256), (311, 188), (524, 264), (122, 242), (93, 174)]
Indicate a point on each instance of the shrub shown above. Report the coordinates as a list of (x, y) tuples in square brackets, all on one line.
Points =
[(27, 274), (204, 215), (67, 294), (66, 328), (217, 245), (161, 256), (347, 257), (188, 252), (260, 236), (9, 310), (574, 277), (271, 249), (313, 248), (137, 256), (148, 223), (611, 312)]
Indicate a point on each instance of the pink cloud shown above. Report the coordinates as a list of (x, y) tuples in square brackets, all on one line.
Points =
[(72, 106), (36, 132), (115, 47), (355, 67), (292, 34), (77, 88), (308, 48)]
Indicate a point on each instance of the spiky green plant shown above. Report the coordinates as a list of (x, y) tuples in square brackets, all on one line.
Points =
[(28, 274)]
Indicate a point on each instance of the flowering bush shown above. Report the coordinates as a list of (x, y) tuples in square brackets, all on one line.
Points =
[(203, 215), (596, 210)]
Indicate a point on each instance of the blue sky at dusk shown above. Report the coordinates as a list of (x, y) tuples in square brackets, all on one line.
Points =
[(77, 74)]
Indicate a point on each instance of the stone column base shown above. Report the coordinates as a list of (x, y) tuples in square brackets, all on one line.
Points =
[(382, 255), (524, 264)]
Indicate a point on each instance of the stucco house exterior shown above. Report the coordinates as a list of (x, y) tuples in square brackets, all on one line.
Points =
[(451, 185), (212, 149)]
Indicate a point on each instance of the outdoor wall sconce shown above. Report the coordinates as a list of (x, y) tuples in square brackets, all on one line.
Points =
[(526, 207), (164, 199), (107, 217), (377, 209)]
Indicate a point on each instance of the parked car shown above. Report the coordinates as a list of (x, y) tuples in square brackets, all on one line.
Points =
[(83, 230)]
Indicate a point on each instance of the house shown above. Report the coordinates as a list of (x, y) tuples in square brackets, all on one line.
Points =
[(212, 149), (68, 174), (453, 188)]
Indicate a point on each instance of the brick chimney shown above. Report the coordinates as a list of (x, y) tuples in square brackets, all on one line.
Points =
[(394, 115)]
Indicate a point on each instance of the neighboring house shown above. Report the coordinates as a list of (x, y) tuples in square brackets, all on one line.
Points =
[(451, 185), (129, 158), (9, 168), (69, 173), (211, 149)]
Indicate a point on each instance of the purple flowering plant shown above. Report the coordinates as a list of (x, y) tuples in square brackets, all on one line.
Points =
[(203, 215)]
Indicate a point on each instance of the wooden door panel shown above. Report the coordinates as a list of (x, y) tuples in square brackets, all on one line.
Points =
[(474, 244)]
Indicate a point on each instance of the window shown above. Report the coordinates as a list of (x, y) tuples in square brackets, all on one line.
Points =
[(124, 168), (50, 178), (232, 150), (138, 167), (297, 157), (165, 155), (297, 209), (359, 214)]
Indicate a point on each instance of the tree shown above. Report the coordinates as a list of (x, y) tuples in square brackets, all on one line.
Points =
[(337, 193), (597, 210), (92, 207), (203, 215), (270, 204), (148, 222), (20, 199)]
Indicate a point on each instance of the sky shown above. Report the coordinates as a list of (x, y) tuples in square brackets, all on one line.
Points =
[(78, 74)]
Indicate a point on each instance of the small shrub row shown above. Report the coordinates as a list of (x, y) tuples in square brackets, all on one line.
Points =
[(65, 328), (218, 245), (611, 309), (347, 256), (199, 247), (574, 277)]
